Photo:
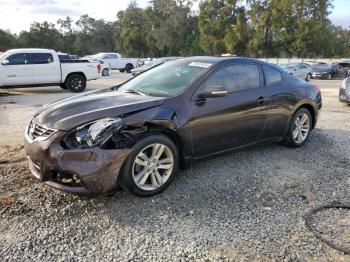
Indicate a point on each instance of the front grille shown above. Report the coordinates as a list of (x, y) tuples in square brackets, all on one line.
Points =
[(39, 132)]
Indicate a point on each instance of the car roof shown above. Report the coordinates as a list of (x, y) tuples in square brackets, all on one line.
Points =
[(30, 50), (223, 59)]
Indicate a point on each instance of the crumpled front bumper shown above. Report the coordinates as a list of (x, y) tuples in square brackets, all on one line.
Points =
[(95, 171)]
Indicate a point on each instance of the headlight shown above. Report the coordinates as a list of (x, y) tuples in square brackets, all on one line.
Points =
[(95, 133), (345, 84)]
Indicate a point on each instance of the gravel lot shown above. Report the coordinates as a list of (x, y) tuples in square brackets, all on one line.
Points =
[(244, 206)]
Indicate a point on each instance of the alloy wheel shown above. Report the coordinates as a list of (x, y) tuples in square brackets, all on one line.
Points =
[(77, 83), (152, 166), (301, 128)]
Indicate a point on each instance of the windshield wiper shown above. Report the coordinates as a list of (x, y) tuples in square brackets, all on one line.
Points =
[(132, 91)]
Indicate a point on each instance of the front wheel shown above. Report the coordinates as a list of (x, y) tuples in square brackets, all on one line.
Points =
[(299, 128), (151, 166), (76, 83)]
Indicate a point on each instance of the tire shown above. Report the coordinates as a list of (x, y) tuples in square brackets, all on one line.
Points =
[(329, 77), (138, 175), (128, 68), (75, 83), (63, 86), (308, 77), (121, 70), (291, 139), (105, 72)]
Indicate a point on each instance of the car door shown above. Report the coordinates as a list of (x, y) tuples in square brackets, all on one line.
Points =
[(298, 71), (281, 101), (45, 69), (117, 63), (17, 71), (303, 71), (221, 123)]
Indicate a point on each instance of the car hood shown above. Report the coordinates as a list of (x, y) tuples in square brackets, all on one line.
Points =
[(71, 112)]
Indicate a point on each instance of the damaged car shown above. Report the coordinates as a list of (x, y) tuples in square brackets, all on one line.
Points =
[(140, 133), (344, 91)]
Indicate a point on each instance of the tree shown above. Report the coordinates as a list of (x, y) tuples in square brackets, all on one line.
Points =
[(172, 29), (237, 35), (41, 35), (131, 31), (7, 40)]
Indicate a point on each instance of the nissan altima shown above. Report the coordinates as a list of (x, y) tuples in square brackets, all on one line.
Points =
[(140, 133)]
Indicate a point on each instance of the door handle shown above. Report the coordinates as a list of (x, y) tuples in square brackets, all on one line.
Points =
[(262, 100)]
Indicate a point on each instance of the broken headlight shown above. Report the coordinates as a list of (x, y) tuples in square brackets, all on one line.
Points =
[(93, 134)]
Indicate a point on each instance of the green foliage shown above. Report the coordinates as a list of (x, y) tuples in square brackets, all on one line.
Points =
[(6, 40), (260, 28), (132, 31)]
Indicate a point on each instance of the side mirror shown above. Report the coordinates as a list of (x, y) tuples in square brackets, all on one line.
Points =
[(5, 62), (212, 94)]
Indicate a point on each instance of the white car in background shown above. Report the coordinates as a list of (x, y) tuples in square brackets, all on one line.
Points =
[(38, 67), (116, 62), (301, 70)]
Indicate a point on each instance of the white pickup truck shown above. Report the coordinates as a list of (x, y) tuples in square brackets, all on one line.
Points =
[(116, 62), (41, 67)]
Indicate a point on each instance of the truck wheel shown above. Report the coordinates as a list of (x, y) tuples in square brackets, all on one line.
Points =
[(76, 83), (128, 68), (63, 86)]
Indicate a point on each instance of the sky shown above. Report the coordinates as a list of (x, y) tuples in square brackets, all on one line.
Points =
[(17, 15)]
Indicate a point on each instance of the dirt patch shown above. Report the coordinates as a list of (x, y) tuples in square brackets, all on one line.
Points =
[(11, 155)]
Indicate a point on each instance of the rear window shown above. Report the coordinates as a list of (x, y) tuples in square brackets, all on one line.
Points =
[(41, 58), (64, 57), (272, 76)]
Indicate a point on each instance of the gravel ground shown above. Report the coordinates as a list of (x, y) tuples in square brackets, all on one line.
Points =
[(244, 206)]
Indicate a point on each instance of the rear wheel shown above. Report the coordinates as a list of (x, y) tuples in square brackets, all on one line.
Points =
[(151, 166), (76, 83), (128, 68), (299, 128)]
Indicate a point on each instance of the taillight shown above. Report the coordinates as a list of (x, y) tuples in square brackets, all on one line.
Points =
[(99, 68)]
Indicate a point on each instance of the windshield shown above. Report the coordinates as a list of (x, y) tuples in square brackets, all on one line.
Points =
[(166, 80), (322, 66)]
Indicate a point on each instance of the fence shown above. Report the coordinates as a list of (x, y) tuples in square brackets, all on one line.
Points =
[(310, 61)]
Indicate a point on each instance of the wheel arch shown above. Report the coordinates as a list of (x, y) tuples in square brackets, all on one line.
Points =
[(174, 137), (312, 111), (75, 73)]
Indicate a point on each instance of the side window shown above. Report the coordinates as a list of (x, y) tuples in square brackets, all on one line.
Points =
[(234, 78), (273, 76), (41, 58), (18, 59), (113, 56)]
